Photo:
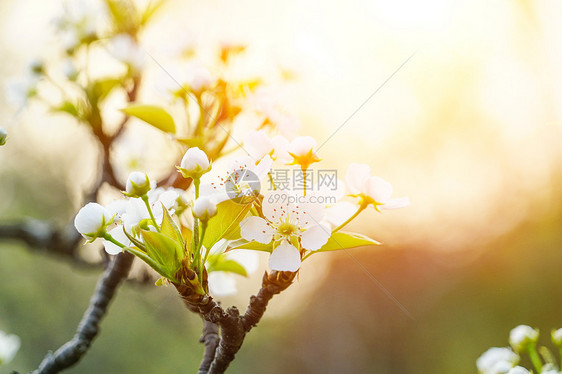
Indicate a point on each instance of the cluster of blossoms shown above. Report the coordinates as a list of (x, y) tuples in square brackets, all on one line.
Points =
[(523, 340), (9, 346), (185, 235)]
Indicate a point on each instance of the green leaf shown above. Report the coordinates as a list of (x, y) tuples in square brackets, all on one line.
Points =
[(153, 115), (226, 224), (191, 142), (103, 87), (169, 227), (163, 250), (254, 246), (68, 107), (220, 263), (344, 240)]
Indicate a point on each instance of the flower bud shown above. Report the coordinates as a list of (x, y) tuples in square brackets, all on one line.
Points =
[(138, 184), (194, 163), (496, 360), (3, 136), (522, 336), (204, 208), (9, 346), (556, 336), (92, 220), (518, 370)]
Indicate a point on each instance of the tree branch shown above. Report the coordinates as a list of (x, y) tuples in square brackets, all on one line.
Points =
[(210, 338), (233, 327), (45, 237), (72, 351)]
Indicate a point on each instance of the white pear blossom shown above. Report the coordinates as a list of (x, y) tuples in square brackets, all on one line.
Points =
[(371, 189), (496, 361), (92, 220), (258, 145), (204, 208), (521, 336), (287, 217), (242, 179), (137, 184), (519, 370), (9, 346), (195, 160), (136, 209), (126, 49)]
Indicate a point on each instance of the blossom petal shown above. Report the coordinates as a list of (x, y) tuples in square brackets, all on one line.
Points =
[(263, 167), (258, 144), (356, 176), (315, 236), (117, 234), (286, 257), (275, 205), (256, 228), (302, 145), (378, 189), (397, 203)]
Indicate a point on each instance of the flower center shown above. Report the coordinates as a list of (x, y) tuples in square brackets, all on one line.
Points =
[(286, 229)]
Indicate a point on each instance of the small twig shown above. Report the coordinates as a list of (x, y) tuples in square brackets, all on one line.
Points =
[(72, 351)]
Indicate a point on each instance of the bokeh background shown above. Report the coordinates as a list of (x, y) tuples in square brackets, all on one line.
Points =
[(470, 128)]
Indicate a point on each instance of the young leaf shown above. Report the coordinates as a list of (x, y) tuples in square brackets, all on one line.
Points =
[(169, 227), (163, 250), (344, 240), (226, 223), (153, 115), (230, 266)]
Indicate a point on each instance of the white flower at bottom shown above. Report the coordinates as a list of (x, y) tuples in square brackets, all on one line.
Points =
[(496, 361), (519, 370), (285, 257), (92, 220), (549, 369), (521, 336), (9, 346)]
